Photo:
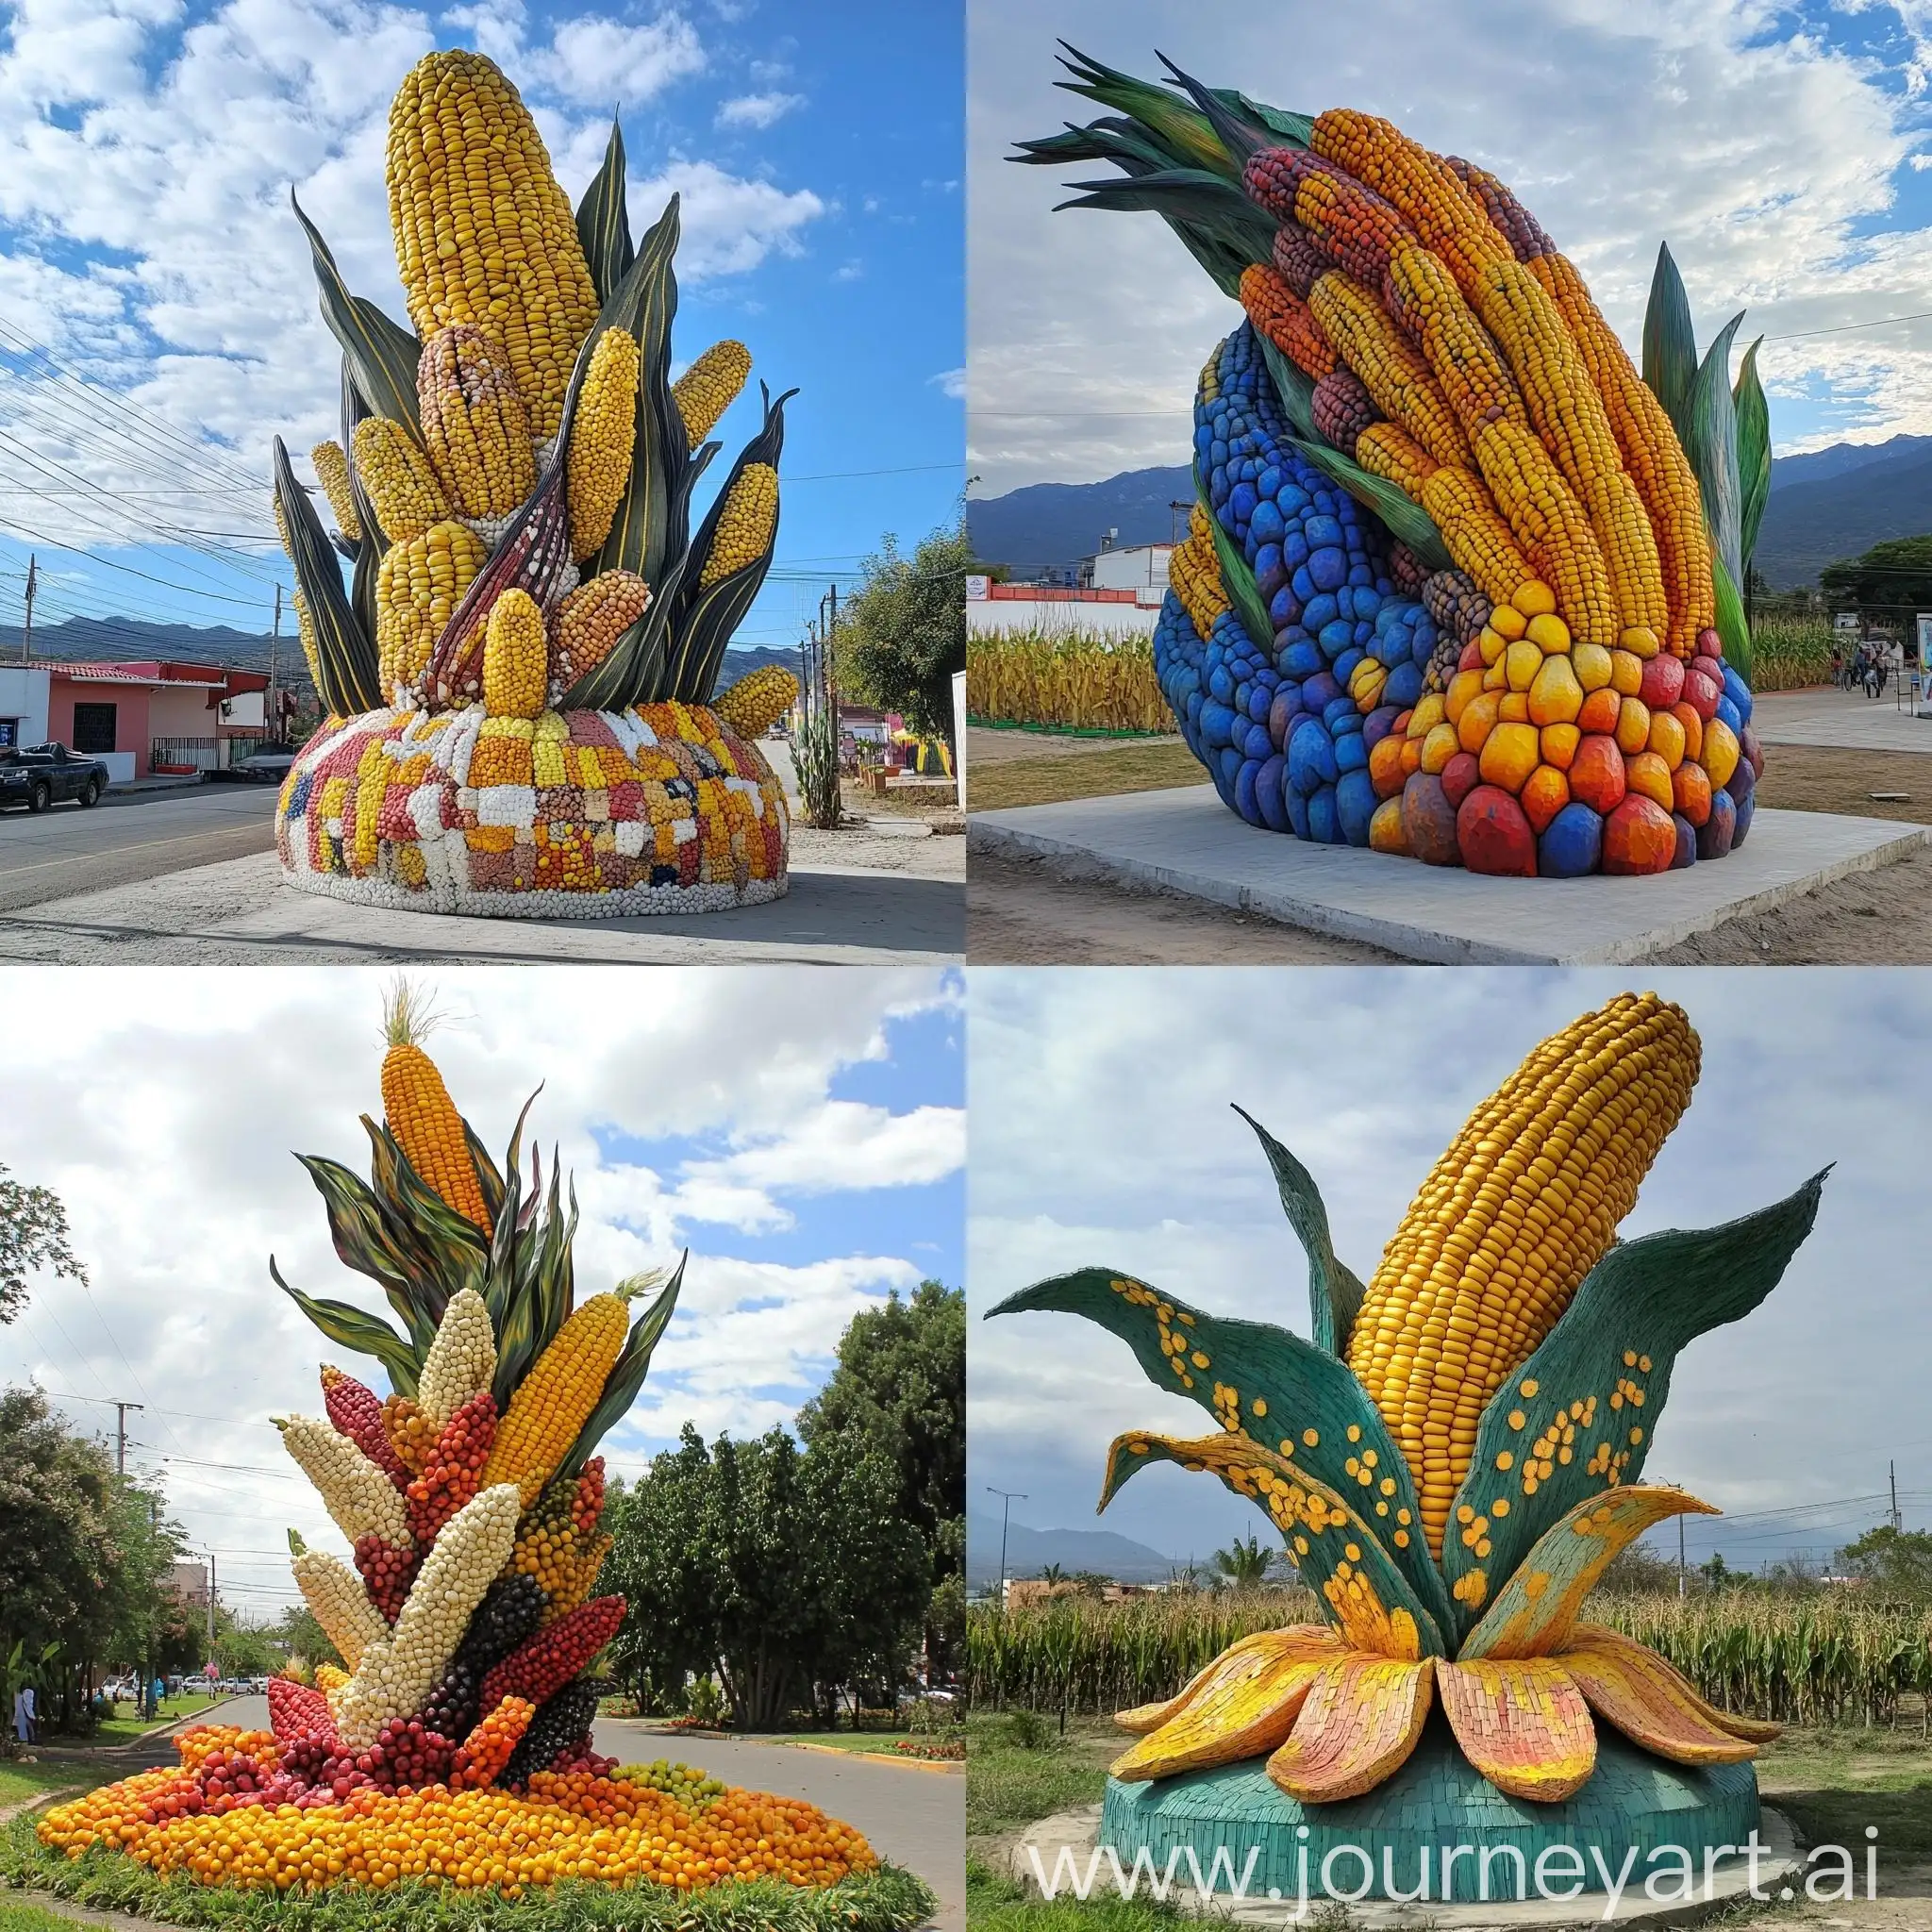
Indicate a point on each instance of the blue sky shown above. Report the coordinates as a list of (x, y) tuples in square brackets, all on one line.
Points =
[(1102, 1135), (146, 148), (1782, 151), (800, 1134)]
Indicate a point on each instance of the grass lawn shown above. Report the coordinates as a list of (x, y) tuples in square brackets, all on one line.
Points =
[(1048, 778), (20, 1781), (1832, 1784), (124, 1729), (32, 1919)]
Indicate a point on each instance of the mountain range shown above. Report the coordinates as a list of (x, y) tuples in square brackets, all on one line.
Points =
[(1825, 505), (125, 639), (1029, 1550)]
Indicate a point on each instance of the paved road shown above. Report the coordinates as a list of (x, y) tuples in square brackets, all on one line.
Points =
[(915, 1818), (58, 854)]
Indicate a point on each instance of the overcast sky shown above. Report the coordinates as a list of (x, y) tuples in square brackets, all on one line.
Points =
[(801, 1132), (1780, 149), (1102, 1135)]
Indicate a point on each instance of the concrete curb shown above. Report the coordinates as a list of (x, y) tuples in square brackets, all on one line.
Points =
[(1184, 843), (947, 1766), (1075, 1831)]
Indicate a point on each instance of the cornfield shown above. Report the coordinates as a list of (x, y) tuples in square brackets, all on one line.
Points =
[(1812, 1660), (1790, 652), (1078, 681)]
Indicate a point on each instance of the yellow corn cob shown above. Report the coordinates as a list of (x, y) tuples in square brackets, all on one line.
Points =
[(758, 700), (338, 1601), (1450, 220), (1460, 351), (483, 232), (419, 583), (408, 1432), (516, 661), (461, 1360), (332, 473), (1194, 572), (601, 436), (1509, 1221), (744, 528), (328, 1676), (1552, 526), (1387, 450), (1650, 453), (305, 624), (1479, 542), (555, 1400), (475, 427), (589, 621), (359, 1498), (399, 1669), (1570, 419), (396, 477), (710, 386), (420, 1113), (1391, 368)]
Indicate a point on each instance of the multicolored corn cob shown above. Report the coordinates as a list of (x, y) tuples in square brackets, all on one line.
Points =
[(357, 1413), (476, 429)]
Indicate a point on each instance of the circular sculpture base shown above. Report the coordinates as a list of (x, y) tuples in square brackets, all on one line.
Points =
[(569, 815), (1436, 1801)]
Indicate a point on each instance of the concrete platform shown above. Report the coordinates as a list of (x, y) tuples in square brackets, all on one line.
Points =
[(1848, 720), (1187, 841), (1068, 1839)]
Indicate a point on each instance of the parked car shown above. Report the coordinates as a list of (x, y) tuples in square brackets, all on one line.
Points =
[(268, 766), (42, 774)]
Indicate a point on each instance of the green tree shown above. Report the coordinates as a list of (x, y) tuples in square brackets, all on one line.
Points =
[(1890, 578), (300, 1635), (900, 1388), (784, 1574), (902, 635), (1246, 1565), (1897, 1562), (33, 1234)]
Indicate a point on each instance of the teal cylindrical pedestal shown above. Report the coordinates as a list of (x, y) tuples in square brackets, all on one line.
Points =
[(1632, 1802)]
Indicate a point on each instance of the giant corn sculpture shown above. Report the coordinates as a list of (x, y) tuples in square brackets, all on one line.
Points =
[(518, 676), (456, 1749), (1452, 1460), (1458, 585)]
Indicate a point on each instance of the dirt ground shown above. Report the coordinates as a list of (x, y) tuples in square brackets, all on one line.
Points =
[(1026, 912)]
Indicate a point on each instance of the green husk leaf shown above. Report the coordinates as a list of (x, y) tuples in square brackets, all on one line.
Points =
[(1179, 127), (362, 1235), (1647, 1299), (1183, 194), (382, 353), (353, 1329), (1345, 1541), (454, 1255), (347, 657), (633, 672), (602, 224), (1334, 1290), (1733, 627), (1712, 448), (649, 529), (1754, 450), (1670, 343), (1283, 1387), (702, 626), (1297, 393), (628, 1375), (1237, 579)]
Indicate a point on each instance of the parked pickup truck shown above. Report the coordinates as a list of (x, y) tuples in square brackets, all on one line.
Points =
[(43, 774)]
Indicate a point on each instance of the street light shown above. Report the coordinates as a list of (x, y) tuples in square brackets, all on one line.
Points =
[(1009, 1498)]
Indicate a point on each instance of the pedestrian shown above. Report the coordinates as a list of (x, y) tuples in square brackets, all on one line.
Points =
[(160, 1691), (22, 1715), (33, 1713)]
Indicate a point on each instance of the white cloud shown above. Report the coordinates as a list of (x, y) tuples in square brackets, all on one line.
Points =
[(1102, 1134), (164, 1104), (950, 382), (1760, 153), (145, 165), (757, 110)]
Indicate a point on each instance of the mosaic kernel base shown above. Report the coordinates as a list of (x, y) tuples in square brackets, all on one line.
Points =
[(570, 815), (1437, 1799)]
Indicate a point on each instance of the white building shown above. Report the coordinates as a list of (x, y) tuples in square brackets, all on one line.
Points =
[(996, 610), (1141, 567)]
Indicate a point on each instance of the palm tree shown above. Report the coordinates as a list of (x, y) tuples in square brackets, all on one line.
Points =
[(1051, 1574), (1246, 1565)]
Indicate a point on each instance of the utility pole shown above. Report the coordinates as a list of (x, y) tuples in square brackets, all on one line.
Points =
[(26, 635), (272, 715), (1177, 509), (211, 1605), (1009, 1498), (120, 1410), (1683, 1585), (1897, 1522)]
